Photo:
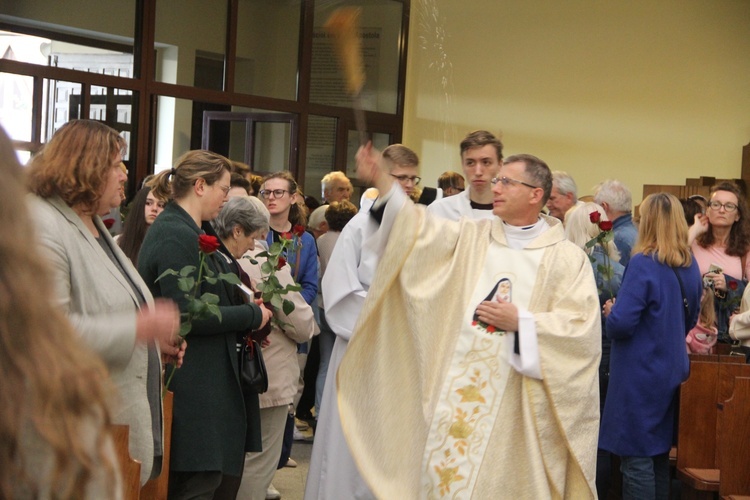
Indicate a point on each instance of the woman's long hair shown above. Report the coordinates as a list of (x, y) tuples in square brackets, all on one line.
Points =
[(739, 235), (298, 210), (51, 387), (663, 232), (135, 227)]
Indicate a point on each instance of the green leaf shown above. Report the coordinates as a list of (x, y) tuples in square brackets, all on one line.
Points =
[(187, 270), (195, 307), (276, 248), (230, 278), (266, 267), (208, 272), (274, 282), (185, 328), (294, 288), (261, 286), (277, 302), (288, 307), (214, 309), (591, 243), (252, 261), (211, 281), (209, 298), (186, 284), (168, 272)]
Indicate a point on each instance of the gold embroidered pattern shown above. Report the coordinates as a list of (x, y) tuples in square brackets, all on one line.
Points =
[(458, 442)]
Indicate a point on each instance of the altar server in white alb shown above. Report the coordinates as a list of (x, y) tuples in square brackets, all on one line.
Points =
[(481, 156), (472, 371), (333, 475)]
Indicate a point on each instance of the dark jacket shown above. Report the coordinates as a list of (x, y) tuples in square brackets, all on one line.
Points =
[(210, 420)]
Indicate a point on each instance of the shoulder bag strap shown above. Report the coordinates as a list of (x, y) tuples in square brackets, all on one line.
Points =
[(743, 263), (684, 298)]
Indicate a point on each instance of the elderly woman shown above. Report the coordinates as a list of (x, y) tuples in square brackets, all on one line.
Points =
[(720, 241), (647, 325), (76, 178), (213, 426), (143, 212), (241, 226)]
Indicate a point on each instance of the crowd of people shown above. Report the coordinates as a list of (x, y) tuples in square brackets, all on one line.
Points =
[(505, 340)]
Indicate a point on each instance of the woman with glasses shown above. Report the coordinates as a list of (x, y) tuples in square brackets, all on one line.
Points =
[(212, 425), (720, 241), (279, 193)]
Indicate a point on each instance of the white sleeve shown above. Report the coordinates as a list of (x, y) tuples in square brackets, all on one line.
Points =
[(527, 362)]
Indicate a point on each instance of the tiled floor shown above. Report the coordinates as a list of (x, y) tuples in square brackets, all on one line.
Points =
[(291, 482)]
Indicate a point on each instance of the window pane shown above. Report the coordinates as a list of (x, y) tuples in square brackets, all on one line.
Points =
[(380, 30), (113, 107), (173, 130), (70, 28), (63, 105), (16, 101), (268, 48), (190, 48), (320, 156)]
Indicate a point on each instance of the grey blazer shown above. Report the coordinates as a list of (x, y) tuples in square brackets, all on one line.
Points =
[(102, 306)]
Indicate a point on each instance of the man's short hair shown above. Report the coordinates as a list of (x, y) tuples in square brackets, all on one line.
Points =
[(537, 172), (399, 155), (564, 183), (481, 138), (332, 178), (615, 194)]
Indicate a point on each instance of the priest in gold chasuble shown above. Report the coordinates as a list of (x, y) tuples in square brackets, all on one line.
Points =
[(473, 372)]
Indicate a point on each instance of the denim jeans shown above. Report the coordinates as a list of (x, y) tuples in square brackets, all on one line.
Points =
[(645, 478)]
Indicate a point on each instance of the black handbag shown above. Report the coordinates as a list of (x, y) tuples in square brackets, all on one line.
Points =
[(253, 374)]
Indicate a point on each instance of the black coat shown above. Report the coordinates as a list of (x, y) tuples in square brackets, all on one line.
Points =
[(211, 421)]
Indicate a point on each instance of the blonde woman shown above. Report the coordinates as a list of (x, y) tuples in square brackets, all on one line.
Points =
[(647, 325)]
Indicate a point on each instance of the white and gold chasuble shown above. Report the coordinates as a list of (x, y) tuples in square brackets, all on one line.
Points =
[(430, 404), (468, 405)]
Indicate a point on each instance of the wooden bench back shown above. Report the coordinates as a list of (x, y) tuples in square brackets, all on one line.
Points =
[(733, 441)]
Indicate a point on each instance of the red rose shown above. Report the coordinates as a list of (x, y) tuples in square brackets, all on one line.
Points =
[(490, 328), (208, 244), (605, 225), (732, 284), (282, 263), (298, 230), (108, 223), (286, 236), (595, 216)]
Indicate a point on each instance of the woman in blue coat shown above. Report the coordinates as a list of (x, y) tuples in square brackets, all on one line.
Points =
[(647, 325)]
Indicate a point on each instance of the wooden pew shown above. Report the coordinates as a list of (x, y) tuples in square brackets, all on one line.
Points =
[(733, 440), (709, 384), (157, 488), (129, 467)]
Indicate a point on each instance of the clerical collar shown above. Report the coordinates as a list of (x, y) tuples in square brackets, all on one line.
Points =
[(480, 206), (520, 236)]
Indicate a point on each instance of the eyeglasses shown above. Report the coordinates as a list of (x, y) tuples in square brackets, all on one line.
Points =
[(507, 181), (224, 188), (405, 178), (729, 206), (277, 193)]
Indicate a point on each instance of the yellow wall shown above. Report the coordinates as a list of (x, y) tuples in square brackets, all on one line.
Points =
[(649, 92)]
